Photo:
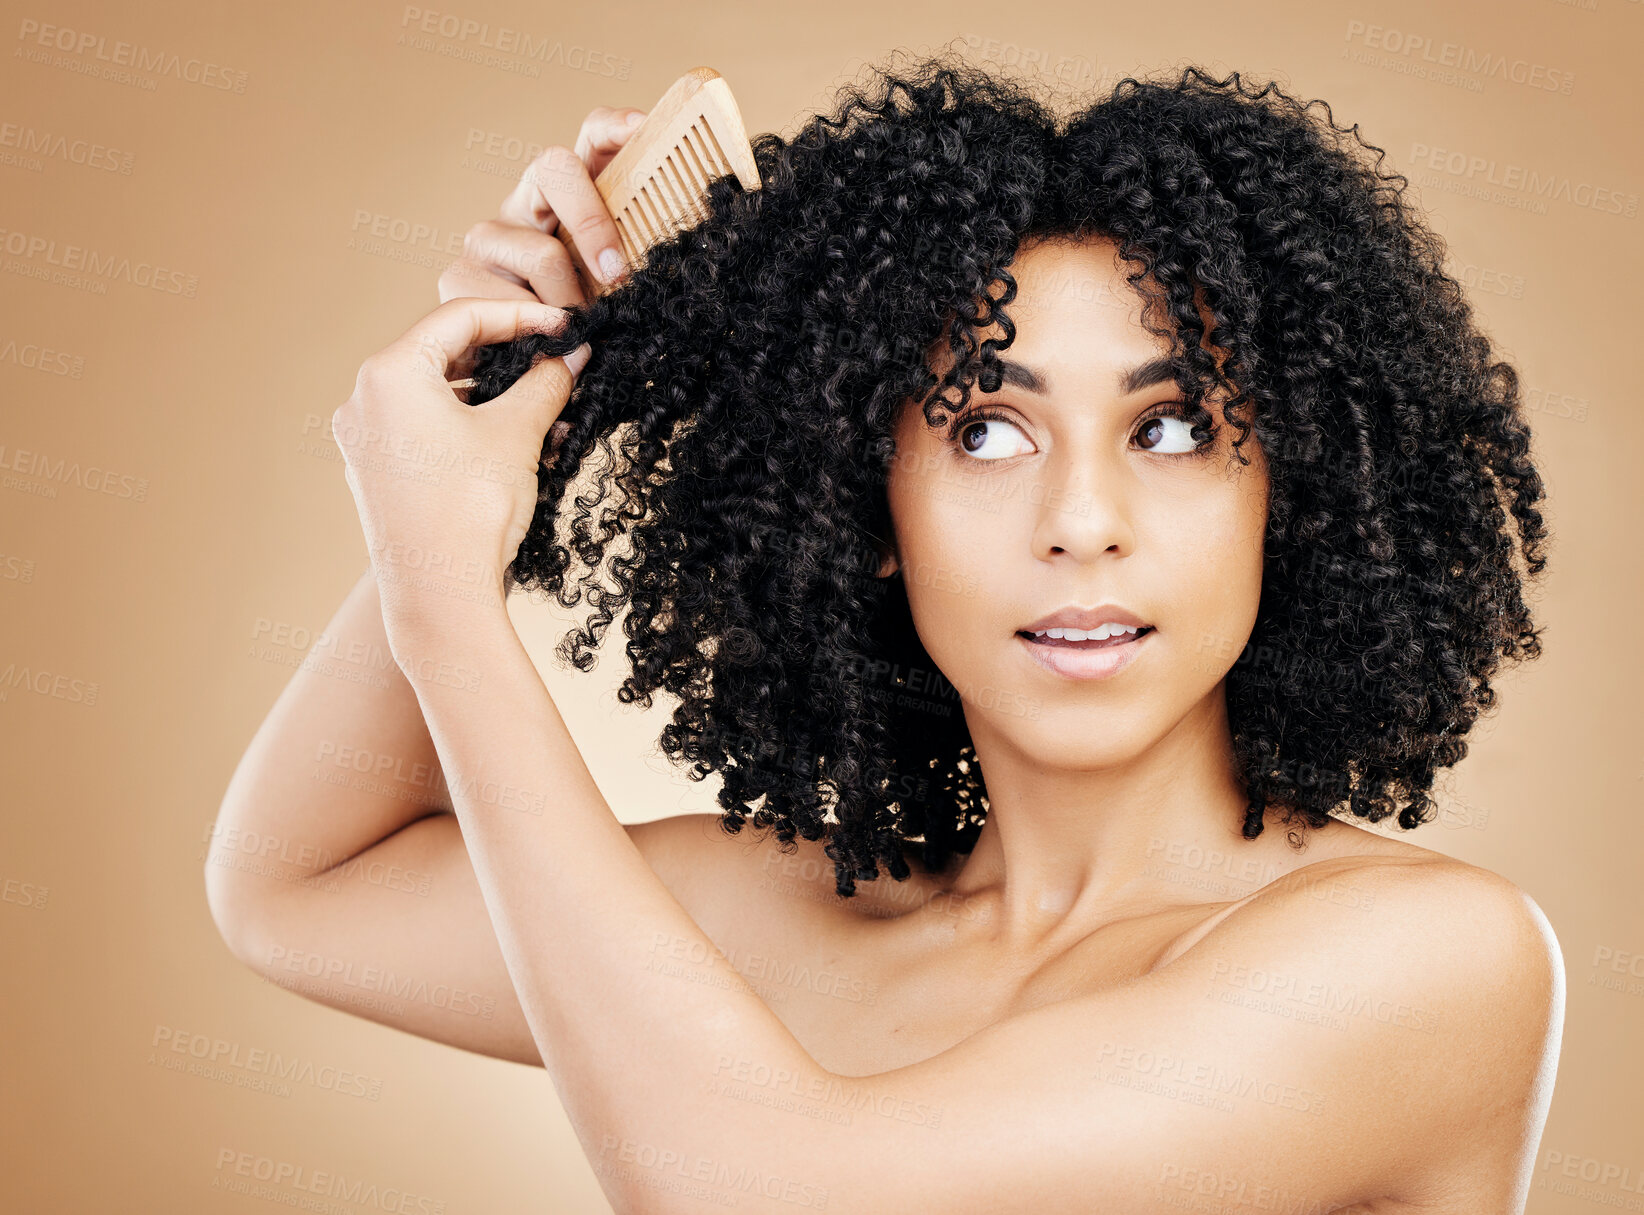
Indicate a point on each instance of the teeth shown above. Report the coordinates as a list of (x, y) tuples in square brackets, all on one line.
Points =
[(1100, 633)]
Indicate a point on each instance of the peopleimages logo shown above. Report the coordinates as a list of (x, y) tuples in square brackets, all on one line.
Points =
[(1485, 172), (33, 147), (94, 55), (41, 251), (502, 47), (49, 473), (1465, 59), (36, 357), (237, 1170)]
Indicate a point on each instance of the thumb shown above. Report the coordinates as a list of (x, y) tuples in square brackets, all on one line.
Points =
[(545, 388)]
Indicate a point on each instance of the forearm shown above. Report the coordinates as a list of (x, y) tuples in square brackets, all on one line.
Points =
[(342, 760), (633, 1008)]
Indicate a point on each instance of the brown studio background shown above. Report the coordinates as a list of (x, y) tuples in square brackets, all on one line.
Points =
[(180, 584)]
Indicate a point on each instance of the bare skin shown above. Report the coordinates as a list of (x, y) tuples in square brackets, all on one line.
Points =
[(1400, 1010)]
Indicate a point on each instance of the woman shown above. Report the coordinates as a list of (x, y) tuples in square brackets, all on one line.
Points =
[(1181, 374)]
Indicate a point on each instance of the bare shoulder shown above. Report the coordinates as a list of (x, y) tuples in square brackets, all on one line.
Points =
[(1478, 906), (1449, 975), (1415, 888), (1473, 933)]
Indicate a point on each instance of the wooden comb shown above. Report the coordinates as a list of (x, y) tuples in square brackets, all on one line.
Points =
[(657, 182)]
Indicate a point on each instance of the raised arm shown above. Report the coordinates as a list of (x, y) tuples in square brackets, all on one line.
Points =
[(334, 848), (334, 867)]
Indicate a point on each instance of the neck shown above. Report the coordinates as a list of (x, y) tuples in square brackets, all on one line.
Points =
[(1065, 850)]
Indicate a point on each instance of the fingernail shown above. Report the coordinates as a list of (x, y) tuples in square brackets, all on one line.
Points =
[(578, 358), (635, 119), (610, 264)]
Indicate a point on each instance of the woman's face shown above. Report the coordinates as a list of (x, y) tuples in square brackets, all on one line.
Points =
[(1079, 489)]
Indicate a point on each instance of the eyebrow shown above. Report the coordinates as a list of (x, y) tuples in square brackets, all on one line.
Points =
[(1143, 375)]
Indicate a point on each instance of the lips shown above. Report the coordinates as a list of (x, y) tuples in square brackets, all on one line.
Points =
[(1086, 619), (1087, 660), (1087, 643)]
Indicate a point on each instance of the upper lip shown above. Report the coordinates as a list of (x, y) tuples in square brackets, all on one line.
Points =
[(1075, 617)]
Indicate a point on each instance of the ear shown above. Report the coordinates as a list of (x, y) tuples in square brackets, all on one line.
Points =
[(889, 562)]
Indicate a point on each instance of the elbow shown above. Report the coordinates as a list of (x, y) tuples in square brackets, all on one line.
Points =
[(231, 911)]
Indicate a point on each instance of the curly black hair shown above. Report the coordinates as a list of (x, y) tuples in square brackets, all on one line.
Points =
[(746, 378)]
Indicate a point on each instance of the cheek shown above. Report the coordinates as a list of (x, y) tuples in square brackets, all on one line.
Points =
[(1221, 537), (1214, 559), (951, 535)]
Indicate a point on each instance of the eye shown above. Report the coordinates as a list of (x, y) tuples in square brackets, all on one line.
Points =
[(983, 435), (1173, 433), (1177, 430)]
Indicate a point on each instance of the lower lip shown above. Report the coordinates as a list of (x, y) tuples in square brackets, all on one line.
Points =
[(1081, 660)]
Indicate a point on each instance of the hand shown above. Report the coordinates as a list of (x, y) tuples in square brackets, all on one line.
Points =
[(517, 257), (445, 490)]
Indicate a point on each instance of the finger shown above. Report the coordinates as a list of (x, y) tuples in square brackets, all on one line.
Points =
[(603, 133), (525, 255), (471, 279), (541, 392), (446, 335), (528, 203), (562, 185)]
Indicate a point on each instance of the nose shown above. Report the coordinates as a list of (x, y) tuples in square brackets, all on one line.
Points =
[(1084, 509)]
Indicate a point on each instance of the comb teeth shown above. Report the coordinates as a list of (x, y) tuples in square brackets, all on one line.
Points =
[(673, 194), (701, 165), (711, 146), (657, 184)]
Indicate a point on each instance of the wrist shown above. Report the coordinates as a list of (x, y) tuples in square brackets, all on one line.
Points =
[(456, 650), (427, 585), (416, 583), (428, 632)]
